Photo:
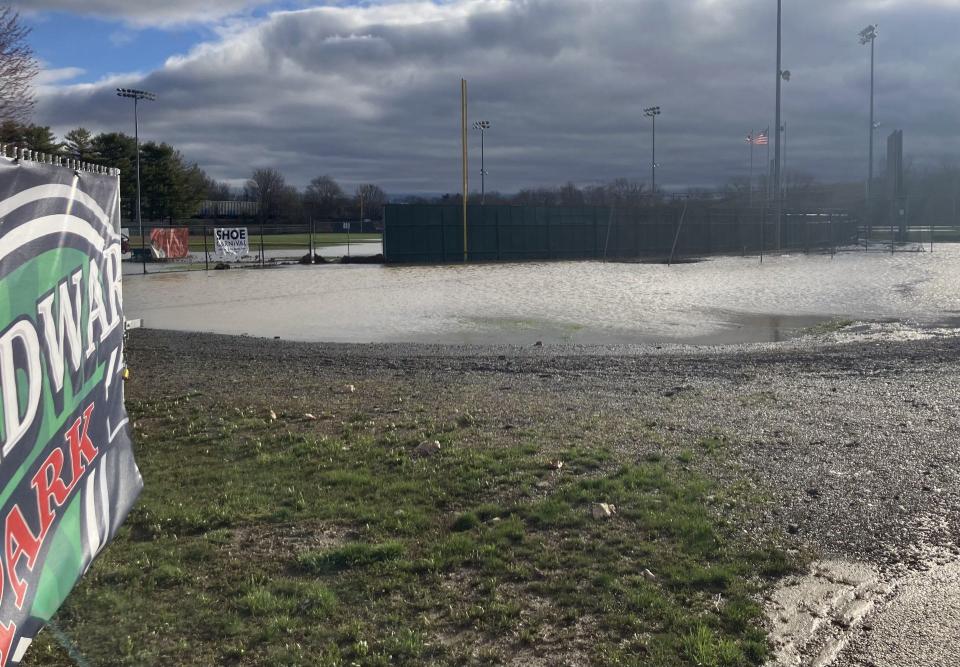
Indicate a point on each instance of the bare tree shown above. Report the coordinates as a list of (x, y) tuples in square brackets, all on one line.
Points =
[(371, 199), (323, 195), (537, 197), (215, 190), (570, 195), (624, 192), (266, 187), (18, 68)]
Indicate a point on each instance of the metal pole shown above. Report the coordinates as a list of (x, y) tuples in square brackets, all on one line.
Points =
[(676, 237), (463, 142), (769, 170), (136, 136), (751, 170), (870, 167), (483, 172), (206, 253), (893, 235), (763, 220), (653, 160), (776, 157), (784, 174), (833, 239), (262, 259), (312, 252)]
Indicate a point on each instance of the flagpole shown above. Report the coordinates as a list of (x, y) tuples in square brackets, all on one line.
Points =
[(769, 174), (750, 139), (783, 173)]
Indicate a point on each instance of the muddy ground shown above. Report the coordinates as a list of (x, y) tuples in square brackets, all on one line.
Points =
[(851, 436)]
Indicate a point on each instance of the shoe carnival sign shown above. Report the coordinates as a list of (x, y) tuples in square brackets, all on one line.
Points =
[(231, 243), (67, 474)]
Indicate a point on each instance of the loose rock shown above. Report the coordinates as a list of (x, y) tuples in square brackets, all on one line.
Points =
[(427, 448), (603, 511)]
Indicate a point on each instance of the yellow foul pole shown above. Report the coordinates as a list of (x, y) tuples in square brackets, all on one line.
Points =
[(463, 142)]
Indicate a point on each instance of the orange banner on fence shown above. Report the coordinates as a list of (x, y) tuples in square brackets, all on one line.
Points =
[(169, 243)]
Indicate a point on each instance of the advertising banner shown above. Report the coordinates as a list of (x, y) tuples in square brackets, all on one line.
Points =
[(170, 243), (231, 243), (67, 473)]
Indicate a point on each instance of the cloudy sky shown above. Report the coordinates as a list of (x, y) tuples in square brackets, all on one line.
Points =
[(369, 91)]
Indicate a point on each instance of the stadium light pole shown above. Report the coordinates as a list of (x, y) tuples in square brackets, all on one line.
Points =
[(483, 126), (136, 96), (869, 36), (652, 113), (876, 153), (776, 151), (785, 76)]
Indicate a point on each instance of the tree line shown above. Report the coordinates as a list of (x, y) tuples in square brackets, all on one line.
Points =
[(322, 199), (173, 188)]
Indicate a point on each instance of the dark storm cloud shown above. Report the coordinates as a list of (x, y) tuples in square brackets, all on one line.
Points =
[(372, 93)]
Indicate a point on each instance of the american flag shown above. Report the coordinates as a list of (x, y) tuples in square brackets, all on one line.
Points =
[(761, 139)]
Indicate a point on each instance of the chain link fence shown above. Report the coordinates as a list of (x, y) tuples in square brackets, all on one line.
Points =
[(162, 248), (674, 229)]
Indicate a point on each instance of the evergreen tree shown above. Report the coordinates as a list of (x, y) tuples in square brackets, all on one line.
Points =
[(170, 188), (115, 149), (78, 144), (35, 137), (41, 139)]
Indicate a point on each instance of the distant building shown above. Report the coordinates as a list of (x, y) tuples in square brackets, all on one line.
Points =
[(228, 209)]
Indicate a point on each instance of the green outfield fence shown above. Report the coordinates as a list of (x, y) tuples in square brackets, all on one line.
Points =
[(434, 233)]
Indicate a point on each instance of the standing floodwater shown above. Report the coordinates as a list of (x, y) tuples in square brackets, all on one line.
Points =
[(723, 300)]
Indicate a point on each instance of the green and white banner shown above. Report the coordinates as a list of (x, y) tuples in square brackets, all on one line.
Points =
[(67, 473)]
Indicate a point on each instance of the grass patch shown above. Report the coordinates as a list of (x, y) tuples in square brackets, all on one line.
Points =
[(325, 543), (352, 556)]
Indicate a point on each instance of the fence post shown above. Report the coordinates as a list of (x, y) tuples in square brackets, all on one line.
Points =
[(636, 233), (312, 253), (739, 221), (143, 249), (547, 216), (595, 232), (763, 224), (206, 253), (443, 236), (709, 232)]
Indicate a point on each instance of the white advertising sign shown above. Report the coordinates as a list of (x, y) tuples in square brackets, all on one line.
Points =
[(231, 243)]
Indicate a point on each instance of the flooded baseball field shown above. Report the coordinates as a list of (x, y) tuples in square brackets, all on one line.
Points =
[(716, 301)]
